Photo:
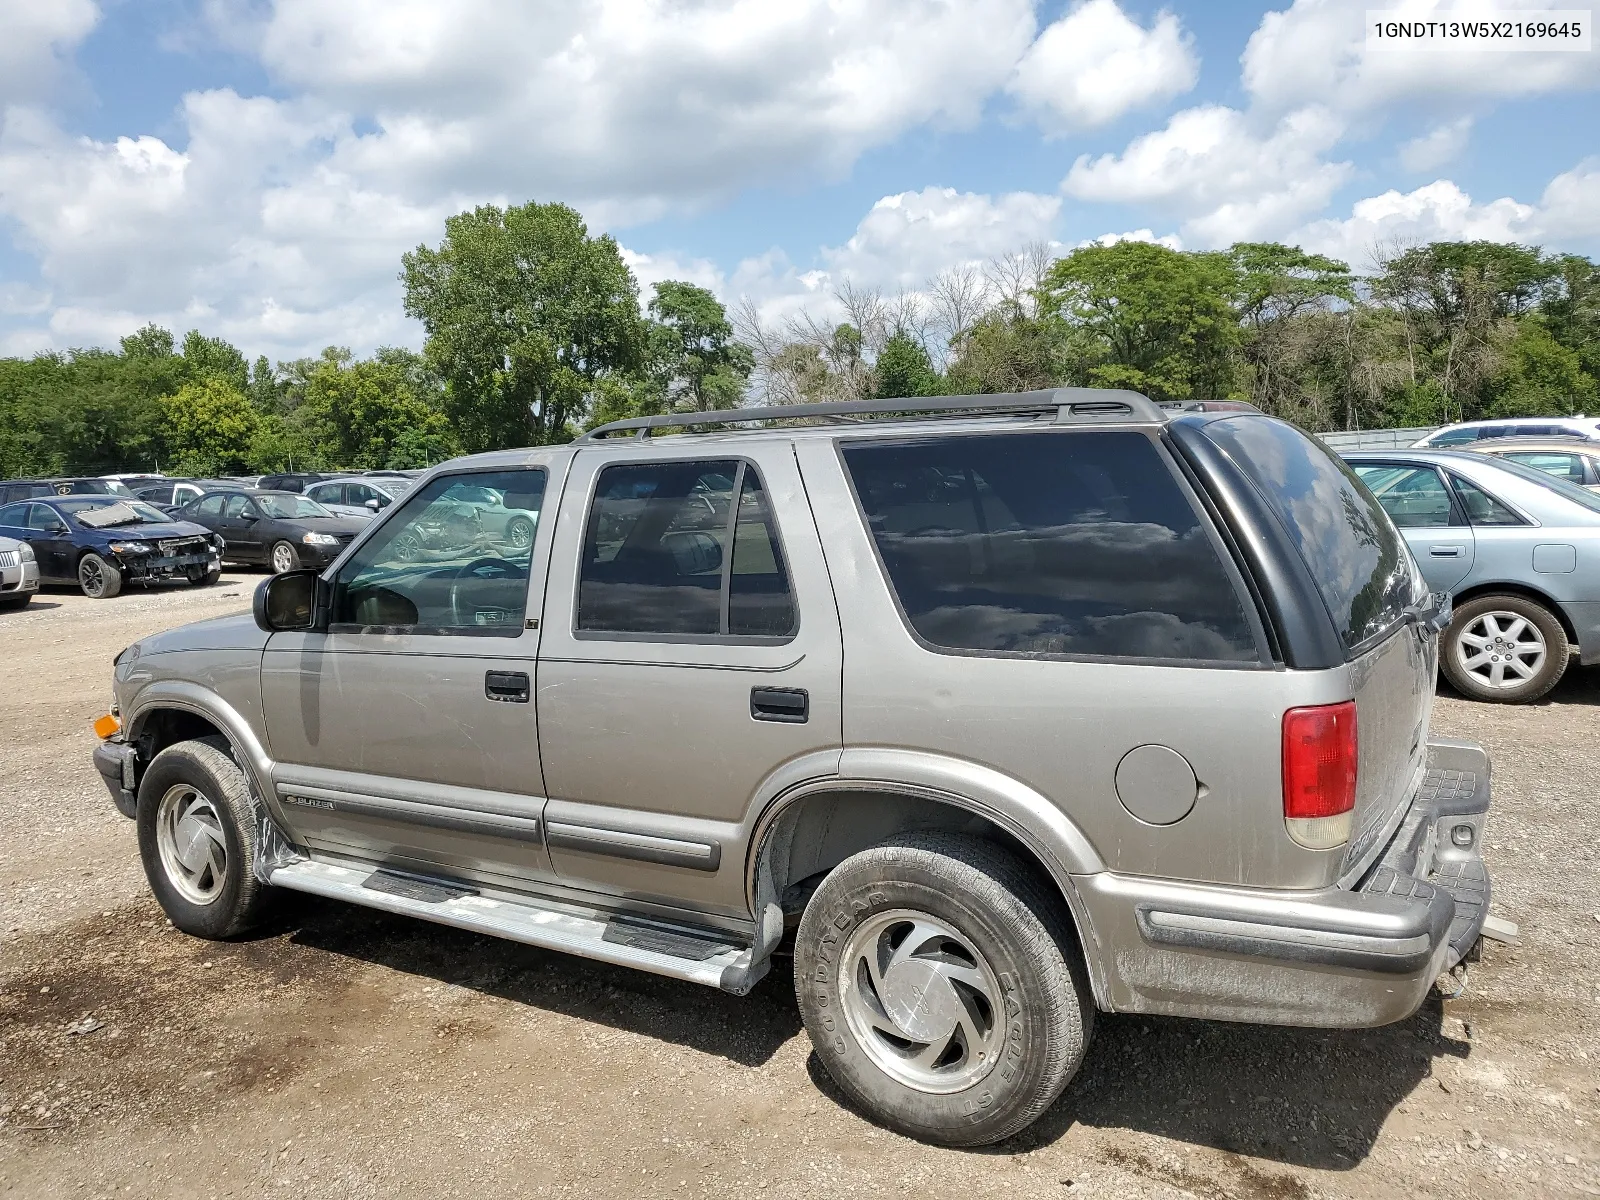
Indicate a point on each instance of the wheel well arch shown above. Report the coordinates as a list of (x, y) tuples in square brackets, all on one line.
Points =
[(1527, 592), (805, 835), (162, 727)]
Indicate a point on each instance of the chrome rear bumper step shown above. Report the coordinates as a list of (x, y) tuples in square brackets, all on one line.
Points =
[(626, 941)]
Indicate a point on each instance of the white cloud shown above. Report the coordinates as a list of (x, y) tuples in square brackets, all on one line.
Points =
[(1568, 213), (1095, 64), (35, 37), (1316, 52), (1228, 180), (1440, 145), (639, 106), (1170, 240)]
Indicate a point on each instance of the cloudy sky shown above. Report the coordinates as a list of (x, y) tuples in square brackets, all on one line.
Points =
[(255, 168)]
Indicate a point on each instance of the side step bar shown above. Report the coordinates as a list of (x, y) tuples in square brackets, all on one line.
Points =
[(645, 945)]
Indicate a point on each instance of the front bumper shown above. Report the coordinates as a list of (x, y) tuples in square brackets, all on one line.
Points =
[(144, 568), (24, 577), (1338, 957), (117, 765)]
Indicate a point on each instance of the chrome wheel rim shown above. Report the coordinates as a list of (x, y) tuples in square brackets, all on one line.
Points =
[(194, 851), (92, 576), (1501, 650), (406, 547), (519, 533), (282, 558), (921, 1001)]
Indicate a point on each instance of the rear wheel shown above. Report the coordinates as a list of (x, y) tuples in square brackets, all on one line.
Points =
[(1506, 649), (99, 579), (197, 839), (284, 557), (519, 532), (940, 988)]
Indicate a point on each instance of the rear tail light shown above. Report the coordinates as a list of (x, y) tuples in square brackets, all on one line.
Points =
[(1319, 774)]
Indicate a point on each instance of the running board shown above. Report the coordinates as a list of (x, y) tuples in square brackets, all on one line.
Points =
[(628, 942)]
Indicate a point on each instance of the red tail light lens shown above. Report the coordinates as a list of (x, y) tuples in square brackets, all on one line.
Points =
[(1319, 773)]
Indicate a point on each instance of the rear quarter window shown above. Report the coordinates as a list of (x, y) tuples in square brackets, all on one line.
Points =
[(1074, 544), (1350, 546)]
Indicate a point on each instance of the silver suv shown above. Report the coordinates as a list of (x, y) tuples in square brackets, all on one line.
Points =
[(1007, 709)]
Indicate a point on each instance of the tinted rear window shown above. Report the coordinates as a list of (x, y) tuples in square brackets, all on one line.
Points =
[(1350, 545), (1077, 543)]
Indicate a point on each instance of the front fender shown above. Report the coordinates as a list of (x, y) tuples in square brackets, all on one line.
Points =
[(168, 694)]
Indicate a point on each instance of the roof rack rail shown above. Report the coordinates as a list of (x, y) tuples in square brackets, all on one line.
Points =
[(1069, 404)]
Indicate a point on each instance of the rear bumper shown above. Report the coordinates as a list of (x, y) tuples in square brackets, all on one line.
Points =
[(1585, 618), (1354, 957)]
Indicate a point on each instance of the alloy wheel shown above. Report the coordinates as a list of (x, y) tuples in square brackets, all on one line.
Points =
[(194, 851), (1501, 649), (921, 1001), (282, 558), (92, 577)]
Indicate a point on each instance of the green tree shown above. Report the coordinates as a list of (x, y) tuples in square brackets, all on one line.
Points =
[(1158, 320), (693, 350), (366, 415), (215, 358), (525, 314), (210, 426), (904, 369), (1540, 377)]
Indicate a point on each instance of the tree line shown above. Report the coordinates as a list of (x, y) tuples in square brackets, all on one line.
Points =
[(535, 330)]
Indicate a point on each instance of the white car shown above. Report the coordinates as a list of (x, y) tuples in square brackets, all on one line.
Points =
[(19, 574), (1456, 436), (358, 497)]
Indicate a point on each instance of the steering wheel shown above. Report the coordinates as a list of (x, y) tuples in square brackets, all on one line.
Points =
[(482, 568)]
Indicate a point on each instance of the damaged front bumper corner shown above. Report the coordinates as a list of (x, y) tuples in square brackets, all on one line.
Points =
[(118, 764)]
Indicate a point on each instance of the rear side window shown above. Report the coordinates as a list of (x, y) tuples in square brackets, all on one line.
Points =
[(1454, 437), (683, 549), (1350, 546), (1482, 508), (1070, 543)]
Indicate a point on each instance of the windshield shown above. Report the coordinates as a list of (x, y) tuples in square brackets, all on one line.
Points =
[(290, 507), (97, 514), (395, 487), (1561, 487)]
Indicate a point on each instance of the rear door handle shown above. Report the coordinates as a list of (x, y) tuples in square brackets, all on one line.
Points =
[(791, 706), (509, 687), (1445, 551)]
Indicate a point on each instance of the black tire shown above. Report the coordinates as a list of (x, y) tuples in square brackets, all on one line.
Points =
[(284, 550), (1021, 929), (15, 603), (98, 578), (1472, 620), (200, 577), (206, 768)]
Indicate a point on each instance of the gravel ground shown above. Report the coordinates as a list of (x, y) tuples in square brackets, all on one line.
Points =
[(344, 1053)]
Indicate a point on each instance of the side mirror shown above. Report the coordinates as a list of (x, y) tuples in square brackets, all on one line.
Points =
[(289, 602), (373, 505)]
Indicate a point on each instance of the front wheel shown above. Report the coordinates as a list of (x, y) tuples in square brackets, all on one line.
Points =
[(1505, 649), (197, 839), (940, 988), (519, 532), (99, 579), (201, 577), (284, 557)]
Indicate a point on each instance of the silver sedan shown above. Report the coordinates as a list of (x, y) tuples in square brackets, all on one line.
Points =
[(1518, 549), (19, 573)]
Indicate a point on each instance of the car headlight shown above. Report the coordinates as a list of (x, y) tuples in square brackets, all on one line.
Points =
[(27, 552), (130, 548), (320, 539)]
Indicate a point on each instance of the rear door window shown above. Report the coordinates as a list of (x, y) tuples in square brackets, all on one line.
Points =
[(683, 550), (1482, 508), (1567, 466), (1414, 497), (1350, 546), (1079, 544)]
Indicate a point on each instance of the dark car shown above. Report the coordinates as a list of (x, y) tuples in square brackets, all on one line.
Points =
[(169, 495), (280, 529), (293, 481), (100, 543), (84, 485)]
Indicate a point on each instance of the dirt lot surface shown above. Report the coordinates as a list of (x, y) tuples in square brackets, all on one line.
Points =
[(343, 1053)]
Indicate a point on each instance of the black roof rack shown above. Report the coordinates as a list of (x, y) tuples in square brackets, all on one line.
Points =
[(1068, 404)]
